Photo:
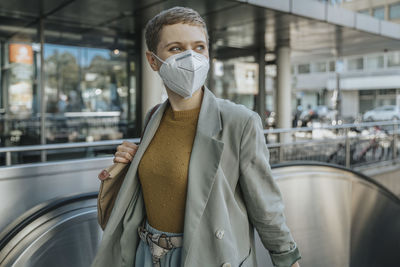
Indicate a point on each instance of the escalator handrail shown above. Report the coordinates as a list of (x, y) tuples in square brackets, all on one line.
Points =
[(368, 179), (36, 212)]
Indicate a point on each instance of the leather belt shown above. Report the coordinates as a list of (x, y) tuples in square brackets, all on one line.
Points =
[(159, 244)]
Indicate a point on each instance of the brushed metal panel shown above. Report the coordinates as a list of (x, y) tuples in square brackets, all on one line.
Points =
[(340, 16), (375, 230), (367, 23), (318, 214), (23, 187), (310, 9), (67, 238), (338, 217), (281, 5), (390, 29)]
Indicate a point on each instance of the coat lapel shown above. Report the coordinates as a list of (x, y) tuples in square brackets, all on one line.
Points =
[(130, 185), (203, 165)]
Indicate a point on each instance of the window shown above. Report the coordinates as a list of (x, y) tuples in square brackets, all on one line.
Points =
[(374, 62), (394, 60), (366, 92), (394, 11), (389, 108), (332, 66), (379, 12), (355, 64), (387, 92), (364, 11), (320, 67), (304, 68)]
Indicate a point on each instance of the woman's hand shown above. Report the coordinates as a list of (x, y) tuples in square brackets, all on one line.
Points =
[(296, 264), (125, 152)]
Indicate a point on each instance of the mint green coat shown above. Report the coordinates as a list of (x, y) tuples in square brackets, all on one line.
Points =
[(230, 190)]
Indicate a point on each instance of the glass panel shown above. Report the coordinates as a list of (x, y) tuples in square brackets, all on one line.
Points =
[(379, 12), (18, 86), (87, 93), (21, 79), (332, 66), (387, 92), (86, 78), (374, 62), (320, 67), (394, 11), (355, 64), (303, 68), (237, 80), (62, 78), (367, 100), (394, 60)]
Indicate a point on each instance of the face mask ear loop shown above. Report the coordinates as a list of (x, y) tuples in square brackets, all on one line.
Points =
[(162, 61)]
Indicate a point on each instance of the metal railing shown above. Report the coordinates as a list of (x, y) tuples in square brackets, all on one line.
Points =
[(9, 150), (349, 145)]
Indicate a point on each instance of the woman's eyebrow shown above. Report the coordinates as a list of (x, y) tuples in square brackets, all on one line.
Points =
[(179, 43), (172, 43)]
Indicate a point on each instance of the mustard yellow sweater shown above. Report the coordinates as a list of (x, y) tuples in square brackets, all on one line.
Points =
[(163, 169)]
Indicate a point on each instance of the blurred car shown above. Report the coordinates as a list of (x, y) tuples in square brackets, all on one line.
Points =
[(382, 113)]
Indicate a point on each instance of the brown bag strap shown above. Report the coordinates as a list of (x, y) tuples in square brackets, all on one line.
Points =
[(147, 122)]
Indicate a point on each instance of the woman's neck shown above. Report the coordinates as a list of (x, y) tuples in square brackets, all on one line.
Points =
[(178, 103)]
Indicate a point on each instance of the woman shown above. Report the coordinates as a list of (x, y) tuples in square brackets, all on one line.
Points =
[(200, 179)]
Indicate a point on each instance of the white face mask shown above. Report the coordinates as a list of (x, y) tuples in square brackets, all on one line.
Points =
[(184, 73)]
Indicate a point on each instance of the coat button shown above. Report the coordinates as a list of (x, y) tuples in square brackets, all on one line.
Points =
[(219, 234), (226, 264)]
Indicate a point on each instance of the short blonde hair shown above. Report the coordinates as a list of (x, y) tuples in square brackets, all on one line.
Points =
[(171, 16)]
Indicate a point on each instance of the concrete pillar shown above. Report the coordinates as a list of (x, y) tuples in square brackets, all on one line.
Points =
[(283, 91), (152, 85)]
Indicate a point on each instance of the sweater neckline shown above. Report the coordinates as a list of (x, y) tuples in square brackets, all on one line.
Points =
[(183, 115)]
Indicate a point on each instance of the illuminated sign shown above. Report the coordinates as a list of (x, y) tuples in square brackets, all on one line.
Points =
[(20, 53)]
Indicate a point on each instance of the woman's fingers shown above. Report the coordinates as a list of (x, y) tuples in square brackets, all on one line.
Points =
[(120, 160), (131, 148), (129, 145), (123, 155), (125, 152)]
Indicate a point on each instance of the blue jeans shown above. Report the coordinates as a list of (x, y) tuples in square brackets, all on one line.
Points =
[(143, 254)]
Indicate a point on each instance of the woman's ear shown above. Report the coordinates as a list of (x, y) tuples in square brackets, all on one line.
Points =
[(152, 61)]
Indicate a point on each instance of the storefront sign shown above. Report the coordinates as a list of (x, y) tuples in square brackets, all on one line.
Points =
[(20, 53), (246, 77)]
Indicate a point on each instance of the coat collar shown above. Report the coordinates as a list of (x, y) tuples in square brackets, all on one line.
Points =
[(203, 165)]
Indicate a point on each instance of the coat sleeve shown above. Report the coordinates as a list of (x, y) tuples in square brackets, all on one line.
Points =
[(262, 196)]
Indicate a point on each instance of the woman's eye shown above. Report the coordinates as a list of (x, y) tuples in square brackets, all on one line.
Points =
[(200, 47), (175, 48)]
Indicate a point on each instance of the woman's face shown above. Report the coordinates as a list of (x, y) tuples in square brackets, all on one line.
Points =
[(177, 38)]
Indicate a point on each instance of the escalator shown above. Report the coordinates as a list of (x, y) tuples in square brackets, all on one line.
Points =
[(338, 217), (62, 232)]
